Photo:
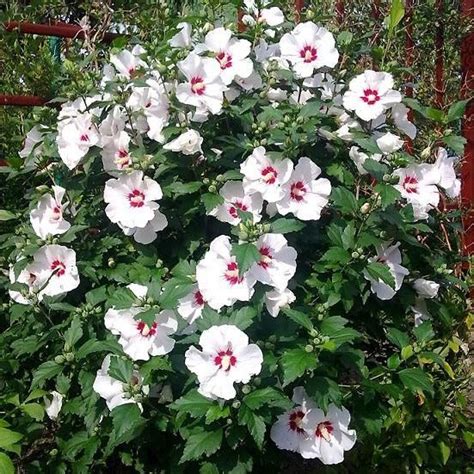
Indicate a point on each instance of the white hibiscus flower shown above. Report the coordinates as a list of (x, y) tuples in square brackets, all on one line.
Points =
[(190, 307), (305, 196), (53, 404), (47, 218), (370, 94), (218, 276), (187, 143), (236, 199), (226, 358), (309, 47), (275, 300), (115, 154), (264, 175), (127, 62)]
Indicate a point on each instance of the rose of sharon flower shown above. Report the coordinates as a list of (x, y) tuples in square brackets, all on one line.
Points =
[(264, 175), (54, 267), (27, 278), (47, 218), (331, 433), (370, 94), (417, 184), (275, 300), (305, 196), (235, 199), (182, 39), (53, 404), (310, 432), (115, 154), (226, 358), (131, 204), (203, 87), (190, 307), (138, 339), (426, 288), (447, 175), (277, 262), (272, 16), (359, 158), (231, 54), (309, 47), (128, 62), (218, 276), (75, 136), (114, 391), (187, 143), (389, 143), (388, 255)]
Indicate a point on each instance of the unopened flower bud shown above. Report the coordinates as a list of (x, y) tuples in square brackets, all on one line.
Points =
[(309, 348), (236, 404), (426, 152), (69, 356), (212, 188), (355, 255), (111, 262), (246, 389), (365, 208), (59, 359)]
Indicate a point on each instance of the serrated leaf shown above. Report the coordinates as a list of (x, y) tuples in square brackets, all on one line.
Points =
[(96, 296), (299, 318), (8, 438), (285, 225), (6, 215), (344, 200), (397, 12), (254, 424), (337, 255), (120, 369), (216, 412), (243, 318), (380, 272), (208, 318), (127, 422), (456, 110), (416, 380), (245, 255), (424, 332), (202, 443), (388, 194), (211, 201), (193, 403), (45, 371), (6, 465), (295, 362), (266, 396), (74, 333), (375, 168), (323, 391), (148, 316), (398, 338), (121, 298), (35, 410)]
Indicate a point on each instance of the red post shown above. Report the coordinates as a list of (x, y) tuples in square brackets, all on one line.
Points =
[(409, 50), (299, 4), (439, 48), (340, 10), (24, 100), (62, 30), (467, 170)]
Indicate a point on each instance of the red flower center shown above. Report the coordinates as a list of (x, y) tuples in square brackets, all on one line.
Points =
[(269, 174), (236, 205), (371, 96), (324, 430), (122, 158), (84, 137), (410, 184), (197, 85), (198, 298), (57, 213), (58, 267), (225, 59), (225, 359), (232, 273), (295, 420), (266, 257), (309, 53), (146, 330), (136, 198), (297, 191)]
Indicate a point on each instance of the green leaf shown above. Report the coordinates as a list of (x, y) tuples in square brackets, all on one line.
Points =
[(381, 272), (216, 412), (120, 369), (148, 316), (299, 318), (121, 298), (344, 200), (193, 403), (397, 12), (128, 423), (74, 333), (445, 452), (201, 443), (8, 438), (388, 194), (6, 215), (348, 236), (254, 424), (285, 225), (211, 201), (96, 296), (246, 255), (368, 144), (332, 325), (266, 396), (456, 111), (336, 255), (398, 338), (375, 169), (323, 391), (416, 380), (456, 143), (35, 410), (295, 363), (45, 371), (6, 465), (180, 189), (243, 318), (93, 345), (424, 332)]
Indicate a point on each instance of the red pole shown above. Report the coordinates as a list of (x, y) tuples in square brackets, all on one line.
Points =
[(439, 45), (24, 100), (62, 30), (299, 4), (340, 10), (467, 170), (409, 50)]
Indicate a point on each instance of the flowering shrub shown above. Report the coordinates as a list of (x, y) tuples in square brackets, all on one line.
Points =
[(230, 263)]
